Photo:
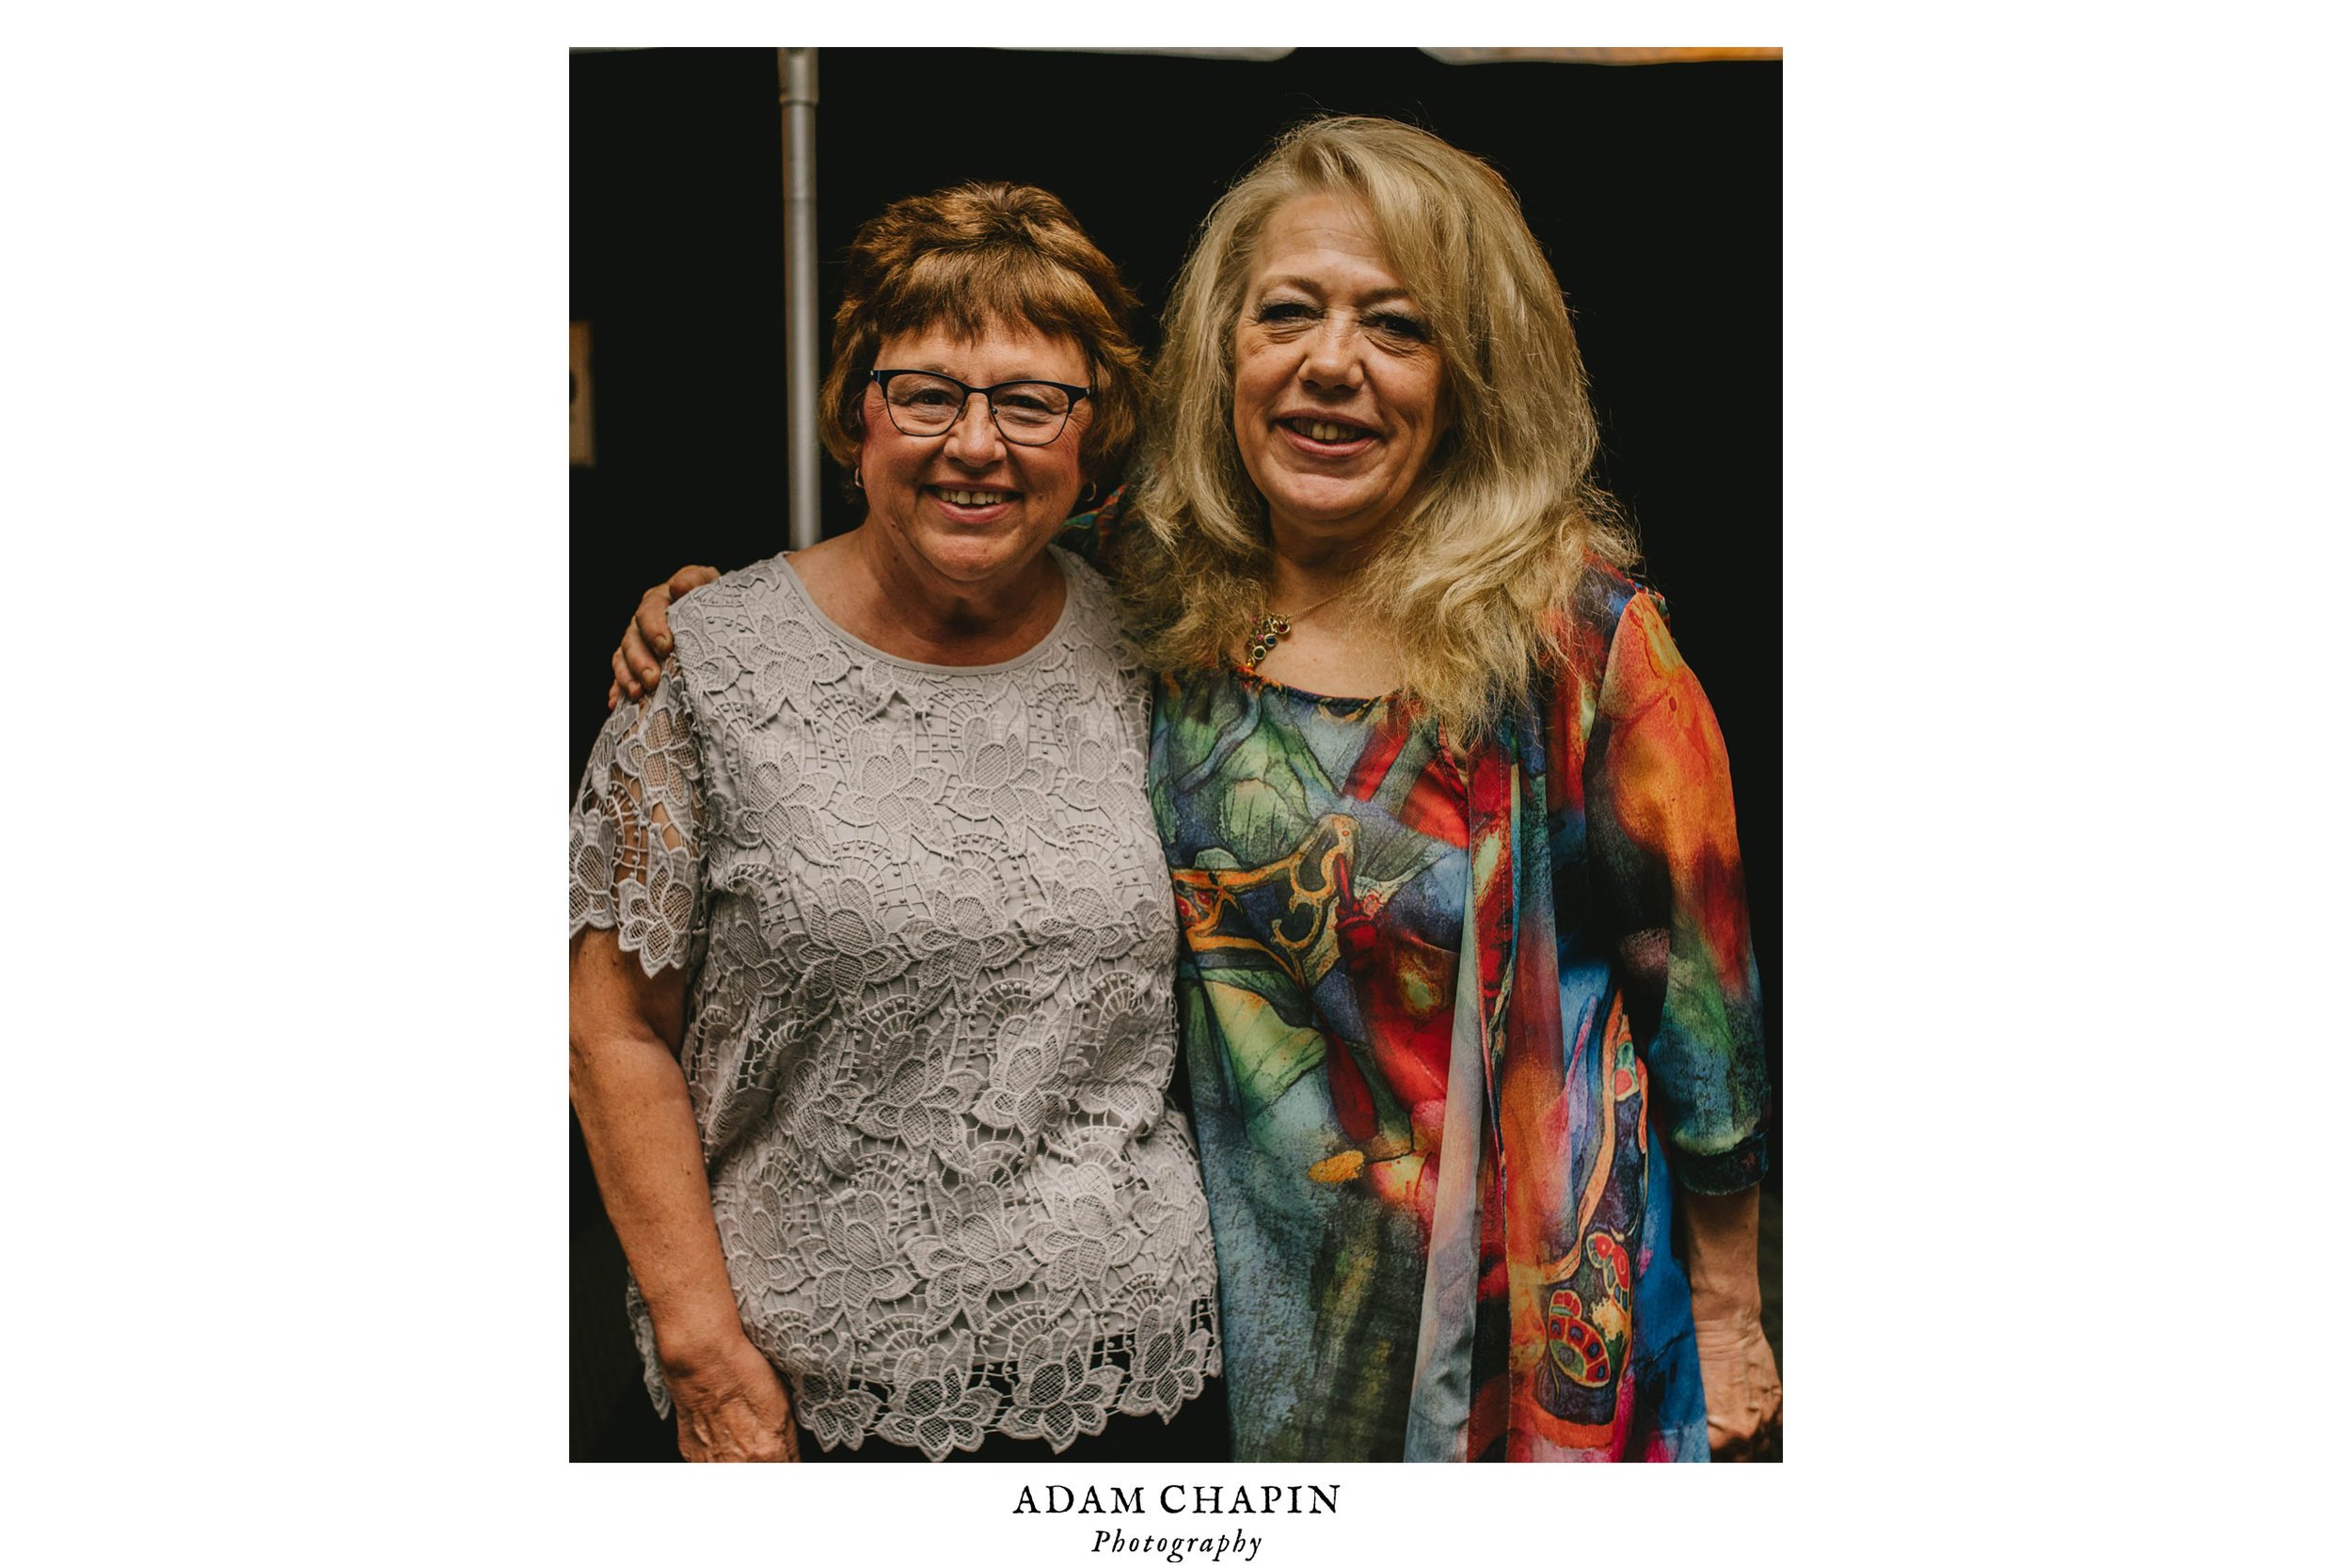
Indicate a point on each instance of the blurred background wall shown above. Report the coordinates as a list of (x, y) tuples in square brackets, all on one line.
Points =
[(1654, 186)]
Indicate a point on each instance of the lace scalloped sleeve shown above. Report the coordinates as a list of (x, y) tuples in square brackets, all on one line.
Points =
[(637, 830)]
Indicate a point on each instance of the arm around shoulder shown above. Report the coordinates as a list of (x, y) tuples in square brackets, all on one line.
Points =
[(646, 641)]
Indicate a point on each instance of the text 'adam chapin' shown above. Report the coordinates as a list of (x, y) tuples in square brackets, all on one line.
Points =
[(1176, 1498)]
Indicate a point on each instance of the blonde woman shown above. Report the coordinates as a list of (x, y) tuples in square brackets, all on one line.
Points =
[(1464, 979)]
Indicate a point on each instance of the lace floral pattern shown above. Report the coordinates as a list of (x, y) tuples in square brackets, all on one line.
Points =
[(930, 1016)]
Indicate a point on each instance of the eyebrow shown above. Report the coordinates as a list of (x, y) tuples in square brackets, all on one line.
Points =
[(1306, 286), (934, 367)]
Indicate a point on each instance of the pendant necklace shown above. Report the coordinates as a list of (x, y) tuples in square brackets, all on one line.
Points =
[(1271, 628)]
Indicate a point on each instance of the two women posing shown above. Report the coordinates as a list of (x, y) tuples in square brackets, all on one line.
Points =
[(878, 983)]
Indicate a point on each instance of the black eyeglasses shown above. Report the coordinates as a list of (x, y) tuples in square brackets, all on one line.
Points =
[(1027, 413)]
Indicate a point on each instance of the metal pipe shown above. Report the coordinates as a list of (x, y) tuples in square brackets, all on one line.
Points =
[(796, 76)]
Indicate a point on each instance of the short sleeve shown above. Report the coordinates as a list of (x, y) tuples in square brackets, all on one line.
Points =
[(1667, 851), (637, 830)]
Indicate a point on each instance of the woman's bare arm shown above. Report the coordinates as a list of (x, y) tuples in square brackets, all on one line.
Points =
[(630, 1096)]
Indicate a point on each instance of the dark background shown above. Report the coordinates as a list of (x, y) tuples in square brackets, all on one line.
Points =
[(1656, 190)]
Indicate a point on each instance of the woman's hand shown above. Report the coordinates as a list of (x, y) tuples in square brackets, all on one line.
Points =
[(732, 1407), (1736, 1365), (637, 662), (1742, 1389)]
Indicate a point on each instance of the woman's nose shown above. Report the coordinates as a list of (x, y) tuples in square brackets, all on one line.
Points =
[(974, 436), (1333, 351)]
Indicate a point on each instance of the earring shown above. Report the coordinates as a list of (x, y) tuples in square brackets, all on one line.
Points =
[(857, 479), (1086, 497)]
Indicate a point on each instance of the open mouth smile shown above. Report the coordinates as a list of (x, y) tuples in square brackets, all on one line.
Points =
[(1328, 437), (960, 500)]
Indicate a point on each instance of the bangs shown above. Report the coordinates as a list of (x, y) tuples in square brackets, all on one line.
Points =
[(1422, 226), (975, 292)]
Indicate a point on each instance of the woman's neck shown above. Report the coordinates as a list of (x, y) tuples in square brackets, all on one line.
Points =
[(1331, 646), (866, 588), (1309, 565)]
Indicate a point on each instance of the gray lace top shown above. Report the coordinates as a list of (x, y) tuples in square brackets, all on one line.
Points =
[(928, 935)]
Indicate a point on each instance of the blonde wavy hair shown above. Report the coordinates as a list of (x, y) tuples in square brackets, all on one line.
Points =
[(1474, 581)]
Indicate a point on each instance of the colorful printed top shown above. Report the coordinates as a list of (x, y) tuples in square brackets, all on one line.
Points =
[(1432, 1006)]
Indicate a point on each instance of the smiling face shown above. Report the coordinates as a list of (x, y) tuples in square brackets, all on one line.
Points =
[(1338, 386), (969, 509)]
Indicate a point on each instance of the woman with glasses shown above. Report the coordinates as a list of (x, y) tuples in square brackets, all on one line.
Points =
[(1469, 1004), (872, 944)]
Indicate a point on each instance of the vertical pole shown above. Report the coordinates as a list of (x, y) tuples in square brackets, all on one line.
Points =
[(796, 75)]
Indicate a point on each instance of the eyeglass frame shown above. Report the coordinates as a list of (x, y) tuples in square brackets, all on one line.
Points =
[(883, 379)]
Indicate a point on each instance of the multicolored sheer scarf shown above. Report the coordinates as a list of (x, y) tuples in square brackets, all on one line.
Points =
[(1535, 949)]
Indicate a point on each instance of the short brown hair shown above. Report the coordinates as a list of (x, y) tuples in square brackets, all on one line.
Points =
[(971, 258)]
